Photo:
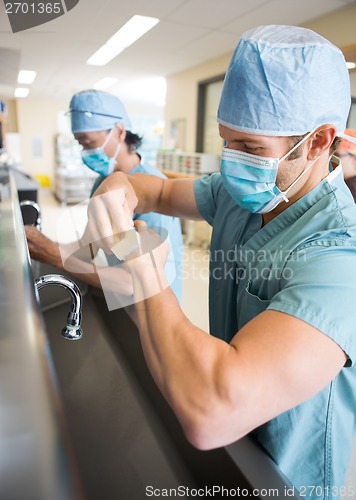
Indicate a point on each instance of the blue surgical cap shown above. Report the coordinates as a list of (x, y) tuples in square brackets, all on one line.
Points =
[(283, 81), (94, 110)]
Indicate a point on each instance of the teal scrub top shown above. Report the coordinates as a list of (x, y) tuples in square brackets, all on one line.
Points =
[(173, 268), (302, 263)]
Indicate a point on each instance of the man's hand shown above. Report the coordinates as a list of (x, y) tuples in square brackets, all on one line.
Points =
[(110, 210), (42, 248)]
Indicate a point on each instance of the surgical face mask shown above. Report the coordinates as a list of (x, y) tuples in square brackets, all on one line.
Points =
[(97, 160), (251, 180)]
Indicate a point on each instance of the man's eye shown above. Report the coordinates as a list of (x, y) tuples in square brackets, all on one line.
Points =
[(254, 150)]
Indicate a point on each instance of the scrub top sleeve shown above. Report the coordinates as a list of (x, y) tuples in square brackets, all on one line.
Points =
[(96, 184), (318, 286), (206, 191)]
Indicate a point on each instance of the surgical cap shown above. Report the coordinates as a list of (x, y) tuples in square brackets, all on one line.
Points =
[(283, 81), (94, 110)]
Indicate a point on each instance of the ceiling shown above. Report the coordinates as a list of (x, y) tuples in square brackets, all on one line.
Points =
[(190, 32)]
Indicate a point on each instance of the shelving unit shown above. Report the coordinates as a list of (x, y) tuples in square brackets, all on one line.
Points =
[(188, 163), (73, 180), (73, 187), (193, 165)]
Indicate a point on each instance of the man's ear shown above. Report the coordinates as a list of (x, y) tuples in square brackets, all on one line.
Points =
[(321, 141)]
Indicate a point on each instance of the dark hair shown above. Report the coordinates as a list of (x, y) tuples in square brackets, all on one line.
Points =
[(294, 139), (335, 145), (134, 141)]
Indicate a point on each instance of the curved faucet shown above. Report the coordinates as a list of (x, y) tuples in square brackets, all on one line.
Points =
[(72, 330), (33, 204)]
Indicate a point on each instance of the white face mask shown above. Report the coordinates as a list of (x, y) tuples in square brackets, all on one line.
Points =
[(251, 179)]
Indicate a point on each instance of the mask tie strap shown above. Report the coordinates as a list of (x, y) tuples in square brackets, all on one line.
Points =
[(297, 145), (298, 178), (117, 150), (107, 139)]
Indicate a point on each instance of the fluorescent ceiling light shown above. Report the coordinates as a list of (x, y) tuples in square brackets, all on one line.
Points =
[(21, 92), (104, 55), (351, 65), (26, 77), (136, 27), (105, 83)]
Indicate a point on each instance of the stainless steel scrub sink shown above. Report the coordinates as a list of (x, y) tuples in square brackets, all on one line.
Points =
[(84, 420), (125, 437)]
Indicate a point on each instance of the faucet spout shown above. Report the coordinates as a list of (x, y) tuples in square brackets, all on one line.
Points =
[(35, 206), (72, 330)]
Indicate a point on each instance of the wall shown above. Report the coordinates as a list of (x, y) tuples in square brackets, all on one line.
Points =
[(37, 125), (339, 28), (182, 97), (11, 115), (182, 88)]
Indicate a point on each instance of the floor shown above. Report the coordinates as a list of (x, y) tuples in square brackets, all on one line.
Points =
[(195, 279)]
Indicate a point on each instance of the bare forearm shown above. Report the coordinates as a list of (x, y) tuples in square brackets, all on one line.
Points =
[(148, 189), (76, 249), (76, 258), (173, 197), (113, 204), (182, 358), (114, 279)]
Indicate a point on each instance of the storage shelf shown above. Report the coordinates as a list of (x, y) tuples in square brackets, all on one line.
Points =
[(188, 163), (73, 181)]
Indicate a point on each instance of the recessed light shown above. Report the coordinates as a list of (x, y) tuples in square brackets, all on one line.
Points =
[(26, 77), (21, 92), (350, 65)]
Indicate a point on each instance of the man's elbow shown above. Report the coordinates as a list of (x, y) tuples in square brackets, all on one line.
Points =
[(216, 420), (210, 433), (198, 434)]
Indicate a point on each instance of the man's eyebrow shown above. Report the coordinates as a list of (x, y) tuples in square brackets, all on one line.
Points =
[(251, 142)]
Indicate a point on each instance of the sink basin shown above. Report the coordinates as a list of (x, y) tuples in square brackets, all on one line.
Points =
[(125, 436), (86, 416)]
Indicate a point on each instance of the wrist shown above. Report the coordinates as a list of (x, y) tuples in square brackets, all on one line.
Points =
[(56, 258), (148, 280)]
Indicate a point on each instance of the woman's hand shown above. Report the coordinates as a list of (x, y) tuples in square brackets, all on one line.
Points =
[(42, 248)]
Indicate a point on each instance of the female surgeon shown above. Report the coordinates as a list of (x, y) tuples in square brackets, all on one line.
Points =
[(100, 123)]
